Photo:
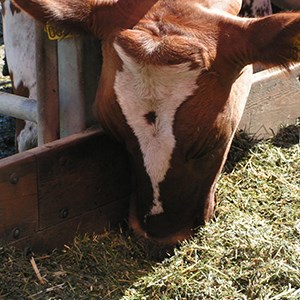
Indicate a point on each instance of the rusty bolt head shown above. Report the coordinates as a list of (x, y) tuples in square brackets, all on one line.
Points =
[(14, 178), (16, 233), (64, 213)]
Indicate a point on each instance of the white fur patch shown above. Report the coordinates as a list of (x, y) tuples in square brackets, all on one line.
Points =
[(19, 39), (143, 89)]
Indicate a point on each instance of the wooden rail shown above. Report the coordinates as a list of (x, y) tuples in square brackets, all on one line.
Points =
[(51, 193), (18, 107), (274, 100)]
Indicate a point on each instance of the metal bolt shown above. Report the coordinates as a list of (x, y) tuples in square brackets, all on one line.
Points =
[(63, 213), (63, 161), (16, 233), (14, 178)]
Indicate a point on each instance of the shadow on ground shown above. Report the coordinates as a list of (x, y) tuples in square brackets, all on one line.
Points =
[(97, 267), (286, 137), (240, 149)]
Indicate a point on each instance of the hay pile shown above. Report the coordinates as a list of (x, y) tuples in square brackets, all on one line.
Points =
[(251, 250)]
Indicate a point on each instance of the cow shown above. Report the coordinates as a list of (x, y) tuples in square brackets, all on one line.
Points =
[(287, 4), (19, 40), (21, 55), (175, 78), (19, 36)]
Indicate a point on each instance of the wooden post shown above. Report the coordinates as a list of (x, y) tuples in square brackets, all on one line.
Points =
[(70, 70), (47, 87)]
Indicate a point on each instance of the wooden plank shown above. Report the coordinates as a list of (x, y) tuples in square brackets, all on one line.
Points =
[(74, 185), (82, 175), (95, 221), (18, 198), (274, 100), (92, 62), (47, 87)]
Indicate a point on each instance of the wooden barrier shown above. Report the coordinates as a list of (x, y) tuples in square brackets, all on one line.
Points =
[(274, 100), (51, 193)]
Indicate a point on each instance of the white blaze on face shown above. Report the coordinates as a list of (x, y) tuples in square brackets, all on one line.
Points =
[(149, 97)]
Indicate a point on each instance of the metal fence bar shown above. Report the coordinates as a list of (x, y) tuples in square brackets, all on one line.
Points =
[(67, 74), (71, 93), (79, 65), (18, 107)]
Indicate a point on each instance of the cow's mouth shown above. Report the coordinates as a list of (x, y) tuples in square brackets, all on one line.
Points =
[(171, 239)]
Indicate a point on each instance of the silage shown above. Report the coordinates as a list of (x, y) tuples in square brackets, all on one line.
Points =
[(250, 250)]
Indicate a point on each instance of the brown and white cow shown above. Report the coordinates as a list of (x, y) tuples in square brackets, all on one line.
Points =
[(287, 4), (19, 40), (174, 83)]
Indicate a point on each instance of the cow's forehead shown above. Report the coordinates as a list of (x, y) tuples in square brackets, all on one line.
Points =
[(163, 38)]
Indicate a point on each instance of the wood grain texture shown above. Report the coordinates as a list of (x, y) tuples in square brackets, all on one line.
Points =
[(47, 87), (79, 68), (18, 197), (274, 100), (95, 221), (83, 176), (79, 184)]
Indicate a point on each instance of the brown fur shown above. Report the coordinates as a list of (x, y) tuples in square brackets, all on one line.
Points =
[(171, 32)]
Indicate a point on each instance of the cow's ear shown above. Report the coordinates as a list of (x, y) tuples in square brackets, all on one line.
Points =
[(272, 41), (275, 40), (71, 14), (231, 6), (97, 16)]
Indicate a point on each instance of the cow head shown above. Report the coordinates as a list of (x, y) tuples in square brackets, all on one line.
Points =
[(173, 88)]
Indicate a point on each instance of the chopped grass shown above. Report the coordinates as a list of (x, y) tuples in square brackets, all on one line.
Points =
[(251, 250)]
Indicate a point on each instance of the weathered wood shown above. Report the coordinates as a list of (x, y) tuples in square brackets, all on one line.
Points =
[(47, 87), (89, 168), (274, 100), (92, 61), (70, 70), (95, 221), (48, 193), (18, 197)]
